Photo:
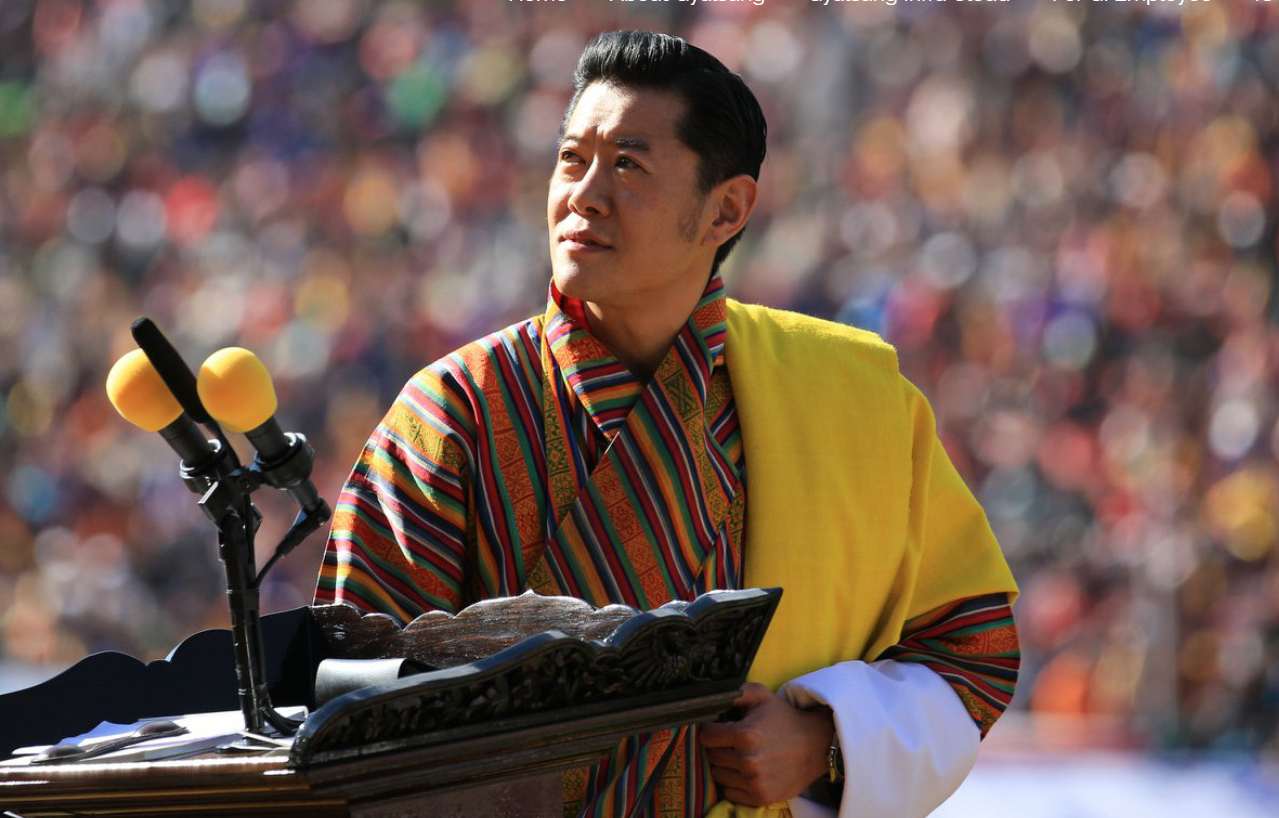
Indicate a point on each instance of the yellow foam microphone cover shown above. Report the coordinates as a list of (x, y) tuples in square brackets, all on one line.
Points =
[(236, 389), (139, 395)]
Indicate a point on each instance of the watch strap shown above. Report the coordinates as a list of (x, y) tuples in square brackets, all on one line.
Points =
[(835, 760)]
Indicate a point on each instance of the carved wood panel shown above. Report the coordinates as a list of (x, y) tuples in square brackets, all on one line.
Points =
[(681, 650)]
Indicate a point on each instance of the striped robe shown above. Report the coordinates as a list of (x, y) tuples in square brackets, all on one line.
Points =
[(533, 459)]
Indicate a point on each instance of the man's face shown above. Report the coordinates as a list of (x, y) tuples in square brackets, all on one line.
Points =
[(624, 207)]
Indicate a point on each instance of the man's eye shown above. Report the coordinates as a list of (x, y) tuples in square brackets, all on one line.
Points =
[(569, 157), (627, 163)]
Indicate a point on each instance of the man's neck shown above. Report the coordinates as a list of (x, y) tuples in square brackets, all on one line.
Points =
[(640, 335), (639, 343)]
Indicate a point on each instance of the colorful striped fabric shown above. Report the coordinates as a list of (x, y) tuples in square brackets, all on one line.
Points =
[(457, 494), (488, 477), (643, 521), (639, 526), (973, 645)]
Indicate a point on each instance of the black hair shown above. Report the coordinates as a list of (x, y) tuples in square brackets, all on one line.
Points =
[(722, 121)]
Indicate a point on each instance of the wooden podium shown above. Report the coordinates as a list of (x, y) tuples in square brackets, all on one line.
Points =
[(516, 691)]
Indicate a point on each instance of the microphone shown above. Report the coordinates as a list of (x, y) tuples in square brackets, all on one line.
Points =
[(142, 397), (171, 368), (237, 391)]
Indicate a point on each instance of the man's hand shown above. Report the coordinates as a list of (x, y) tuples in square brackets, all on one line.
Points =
[(772, 754)]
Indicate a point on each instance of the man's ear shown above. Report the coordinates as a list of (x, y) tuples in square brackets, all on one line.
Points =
[(733, 203)]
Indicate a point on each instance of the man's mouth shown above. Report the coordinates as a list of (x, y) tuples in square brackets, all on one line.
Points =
[(580, 241)]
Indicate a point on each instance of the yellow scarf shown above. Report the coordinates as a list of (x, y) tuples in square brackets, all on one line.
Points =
[(853, 507)]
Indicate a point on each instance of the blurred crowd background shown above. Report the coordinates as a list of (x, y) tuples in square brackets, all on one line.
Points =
[(1063, 215)]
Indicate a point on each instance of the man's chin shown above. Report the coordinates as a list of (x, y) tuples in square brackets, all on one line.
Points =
[(575, 282)]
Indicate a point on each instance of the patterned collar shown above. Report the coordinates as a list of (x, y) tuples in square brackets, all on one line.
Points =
[(600, 382)]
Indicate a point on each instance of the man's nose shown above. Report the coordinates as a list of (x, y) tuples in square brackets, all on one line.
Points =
[(590, 194)]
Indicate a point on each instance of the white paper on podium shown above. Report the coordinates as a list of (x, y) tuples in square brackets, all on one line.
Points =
[(205, 731)]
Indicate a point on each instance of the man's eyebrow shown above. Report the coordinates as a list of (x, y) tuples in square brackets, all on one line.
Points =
[(634, 143), (639, 144)]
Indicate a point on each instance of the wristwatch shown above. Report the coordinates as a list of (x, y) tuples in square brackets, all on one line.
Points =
[(835, 760)]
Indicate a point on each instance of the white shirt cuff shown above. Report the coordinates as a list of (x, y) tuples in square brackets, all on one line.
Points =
[(908, 741)]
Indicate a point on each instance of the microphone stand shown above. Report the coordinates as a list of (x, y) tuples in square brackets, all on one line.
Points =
[(225, 488), (225, 500)]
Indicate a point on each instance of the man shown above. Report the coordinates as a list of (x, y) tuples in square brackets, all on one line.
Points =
[(647, 440)]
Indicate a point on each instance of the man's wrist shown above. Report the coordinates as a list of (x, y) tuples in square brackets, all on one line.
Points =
[(831, 757)]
